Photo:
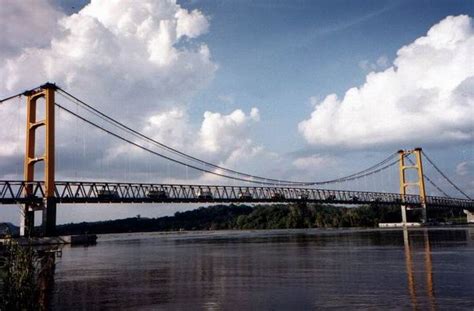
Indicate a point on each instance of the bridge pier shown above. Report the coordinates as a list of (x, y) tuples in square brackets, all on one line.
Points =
[(48, 225), (49, 217), (27, 220), (404, 215), (470, 216)]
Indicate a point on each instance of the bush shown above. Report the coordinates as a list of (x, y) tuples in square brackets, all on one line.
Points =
[(24, 279)]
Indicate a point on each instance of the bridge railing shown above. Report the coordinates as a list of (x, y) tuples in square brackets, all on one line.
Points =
[(18, 192)]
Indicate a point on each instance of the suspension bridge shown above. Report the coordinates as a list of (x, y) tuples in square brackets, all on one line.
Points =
[(45, 193)]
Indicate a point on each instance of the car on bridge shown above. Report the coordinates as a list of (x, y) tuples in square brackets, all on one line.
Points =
[(107, 194), (277, 196), (245, 195), (376, 200), (204, 194), (156, 194), (303, 196)]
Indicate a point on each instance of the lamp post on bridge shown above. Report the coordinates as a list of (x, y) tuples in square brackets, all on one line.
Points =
[(48, 205)]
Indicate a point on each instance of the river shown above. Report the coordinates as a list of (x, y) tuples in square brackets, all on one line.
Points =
[(270, 270)]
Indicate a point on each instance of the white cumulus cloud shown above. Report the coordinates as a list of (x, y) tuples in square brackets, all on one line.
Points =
[(138, 61), (113, 51), (313, 163), (426, 96), (170, 126), (224, 133), (465, 168), (221, 138)]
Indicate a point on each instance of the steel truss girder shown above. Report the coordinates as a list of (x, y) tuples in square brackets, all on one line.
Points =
[(71, 192)]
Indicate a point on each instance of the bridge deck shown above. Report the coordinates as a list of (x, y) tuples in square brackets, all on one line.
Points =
[(20, 192)]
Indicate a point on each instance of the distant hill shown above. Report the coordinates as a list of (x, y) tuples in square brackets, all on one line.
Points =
[(203, 218), (234, 217), (8, 228), (277, 216)]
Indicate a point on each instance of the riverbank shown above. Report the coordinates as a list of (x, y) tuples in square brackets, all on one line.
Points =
[(81, 239), (278, 216)]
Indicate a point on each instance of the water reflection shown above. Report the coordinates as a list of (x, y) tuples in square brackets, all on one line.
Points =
[(288, 269), (409, 265), (428, 269), (46, 269)]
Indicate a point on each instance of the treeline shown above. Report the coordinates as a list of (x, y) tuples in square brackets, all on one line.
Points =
[(203, 218), (278, 216), (316, 216)]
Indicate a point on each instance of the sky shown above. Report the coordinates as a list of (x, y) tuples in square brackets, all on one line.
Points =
[(301, 90)]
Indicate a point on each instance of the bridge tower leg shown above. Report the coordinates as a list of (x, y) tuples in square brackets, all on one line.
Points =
[(48, 205), (420, 183)]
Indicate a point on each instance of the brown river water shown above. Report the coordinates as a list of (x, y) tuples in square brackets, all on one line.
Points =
[(420, 269)]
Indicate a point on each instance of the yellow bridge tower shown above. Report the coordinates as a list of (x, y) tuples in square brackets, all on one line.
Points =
[(405, 184), (48, 206)]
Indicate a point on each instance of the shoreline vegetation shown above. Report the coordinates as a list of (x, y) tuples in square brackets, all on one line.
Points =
[(26, 275), (277, 216)]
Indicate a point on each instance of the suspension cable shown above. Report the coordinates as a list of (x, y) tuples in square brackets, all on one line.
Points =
[(429, 180), (154, 152), (135, 133), (11, 97), (446, 177), (18, 95), (373, 172), (253, 178), (205, 170)]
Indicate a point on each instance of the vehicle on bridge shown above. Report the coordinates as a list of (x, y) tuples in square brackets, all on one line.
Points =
[(331, 198), (277, 196), (107, 194), (156, 194), (355, 198), (303, 196), (204, 194), (246, 195)]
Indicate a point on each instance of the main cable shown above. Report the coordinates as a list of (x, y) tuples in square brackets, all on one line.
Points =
[(446, 177), (24, 93), (154, 152), (190, 157), (373, 172), (201, 169), (428, 179), (10, 97)]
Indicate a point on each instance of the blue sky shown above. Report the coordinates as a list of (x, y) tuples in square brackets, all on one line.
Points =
[(245, 84), (277, 54)]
